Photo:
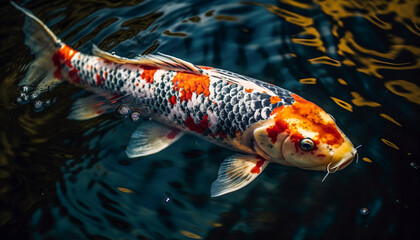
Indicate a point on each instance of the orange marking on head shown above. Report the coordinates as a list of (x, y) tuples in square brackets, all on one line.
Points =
[(308, 116), (275, 99), (148, 75), (249, 90), (187, 84)]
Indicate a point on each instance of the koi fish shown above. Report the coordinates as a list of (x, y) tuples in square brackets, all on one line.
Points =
[(262, 122)]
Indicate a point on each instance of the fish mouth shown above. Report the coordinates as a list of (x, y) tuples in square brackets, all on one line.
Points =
[(345, 161), (345, 164)]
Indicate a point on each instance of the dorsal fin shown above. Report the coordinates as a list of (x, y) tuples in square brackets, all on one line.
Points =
[(158, 60), (241, 80)]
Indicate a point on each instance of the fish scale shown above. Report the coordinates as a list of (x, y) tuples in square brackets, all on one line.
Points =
[(234, 107)]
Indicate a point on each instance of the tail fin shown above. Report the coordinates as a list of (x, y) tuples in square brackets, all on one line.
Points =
[(43, 44)]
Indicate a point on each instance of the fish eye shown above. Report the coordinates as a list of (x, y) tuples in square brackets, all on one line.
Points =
[(307, 144)]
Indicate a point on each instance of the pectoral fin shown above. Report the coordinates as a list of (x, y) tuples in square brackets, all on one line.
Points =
[(151, 137), (236, 172)]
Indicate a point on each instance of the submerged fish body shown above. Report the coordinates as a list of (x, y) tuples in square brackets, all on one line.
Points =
[(265, 123)]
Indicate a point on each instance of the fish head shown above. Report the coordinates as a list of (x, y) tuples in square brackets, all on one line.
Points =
[(303, 135)]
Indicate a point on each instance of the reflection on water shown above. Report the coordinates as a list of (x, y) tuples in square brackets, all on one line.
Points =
[(359, 60)]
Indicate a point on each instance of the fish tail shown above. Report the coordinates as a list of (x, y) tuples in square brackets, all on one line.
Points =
[(43, 44)]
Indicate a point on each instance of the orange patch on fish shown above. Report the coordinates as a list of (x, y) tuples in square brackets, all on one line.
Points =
[(306, 116), (64, 56), (99, 80), (172, 134), (274, 99), (172, 100), (249, 90), (67, 52), (257, 168), (148, 75), (201, 127), (187, 84)]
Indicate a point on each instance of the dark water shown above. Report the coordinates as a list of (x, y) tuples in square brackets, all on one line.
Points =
[(359, 60)]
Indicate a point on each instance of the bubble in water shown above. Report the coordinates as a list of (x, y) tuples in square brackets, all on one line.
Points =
[(23, 98), (19, 100), (414, 165), (122, 110), (34, 96), (167, 200), (364, 211), (25, 88), (135, 116), (47, 103), (38, 106)]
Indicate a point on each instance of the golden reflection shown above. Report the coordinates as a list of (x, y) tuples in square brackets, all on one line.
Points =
[(325, 60), (367, 58), (216, 224), (225, 18), (290, 16), (390, 143), (194, 19), (404, 12), (175, 34), (298, 4), (343, 104), (367, 160), (389, 118), (358, 100), (405, 89), (190, 234), (124, 190), (341, 81), (308, 80), (310, 35), (313, 41)]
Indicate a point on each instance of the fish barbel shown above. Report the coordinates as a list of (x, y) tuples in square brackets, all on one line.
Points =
[(262, 122)]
